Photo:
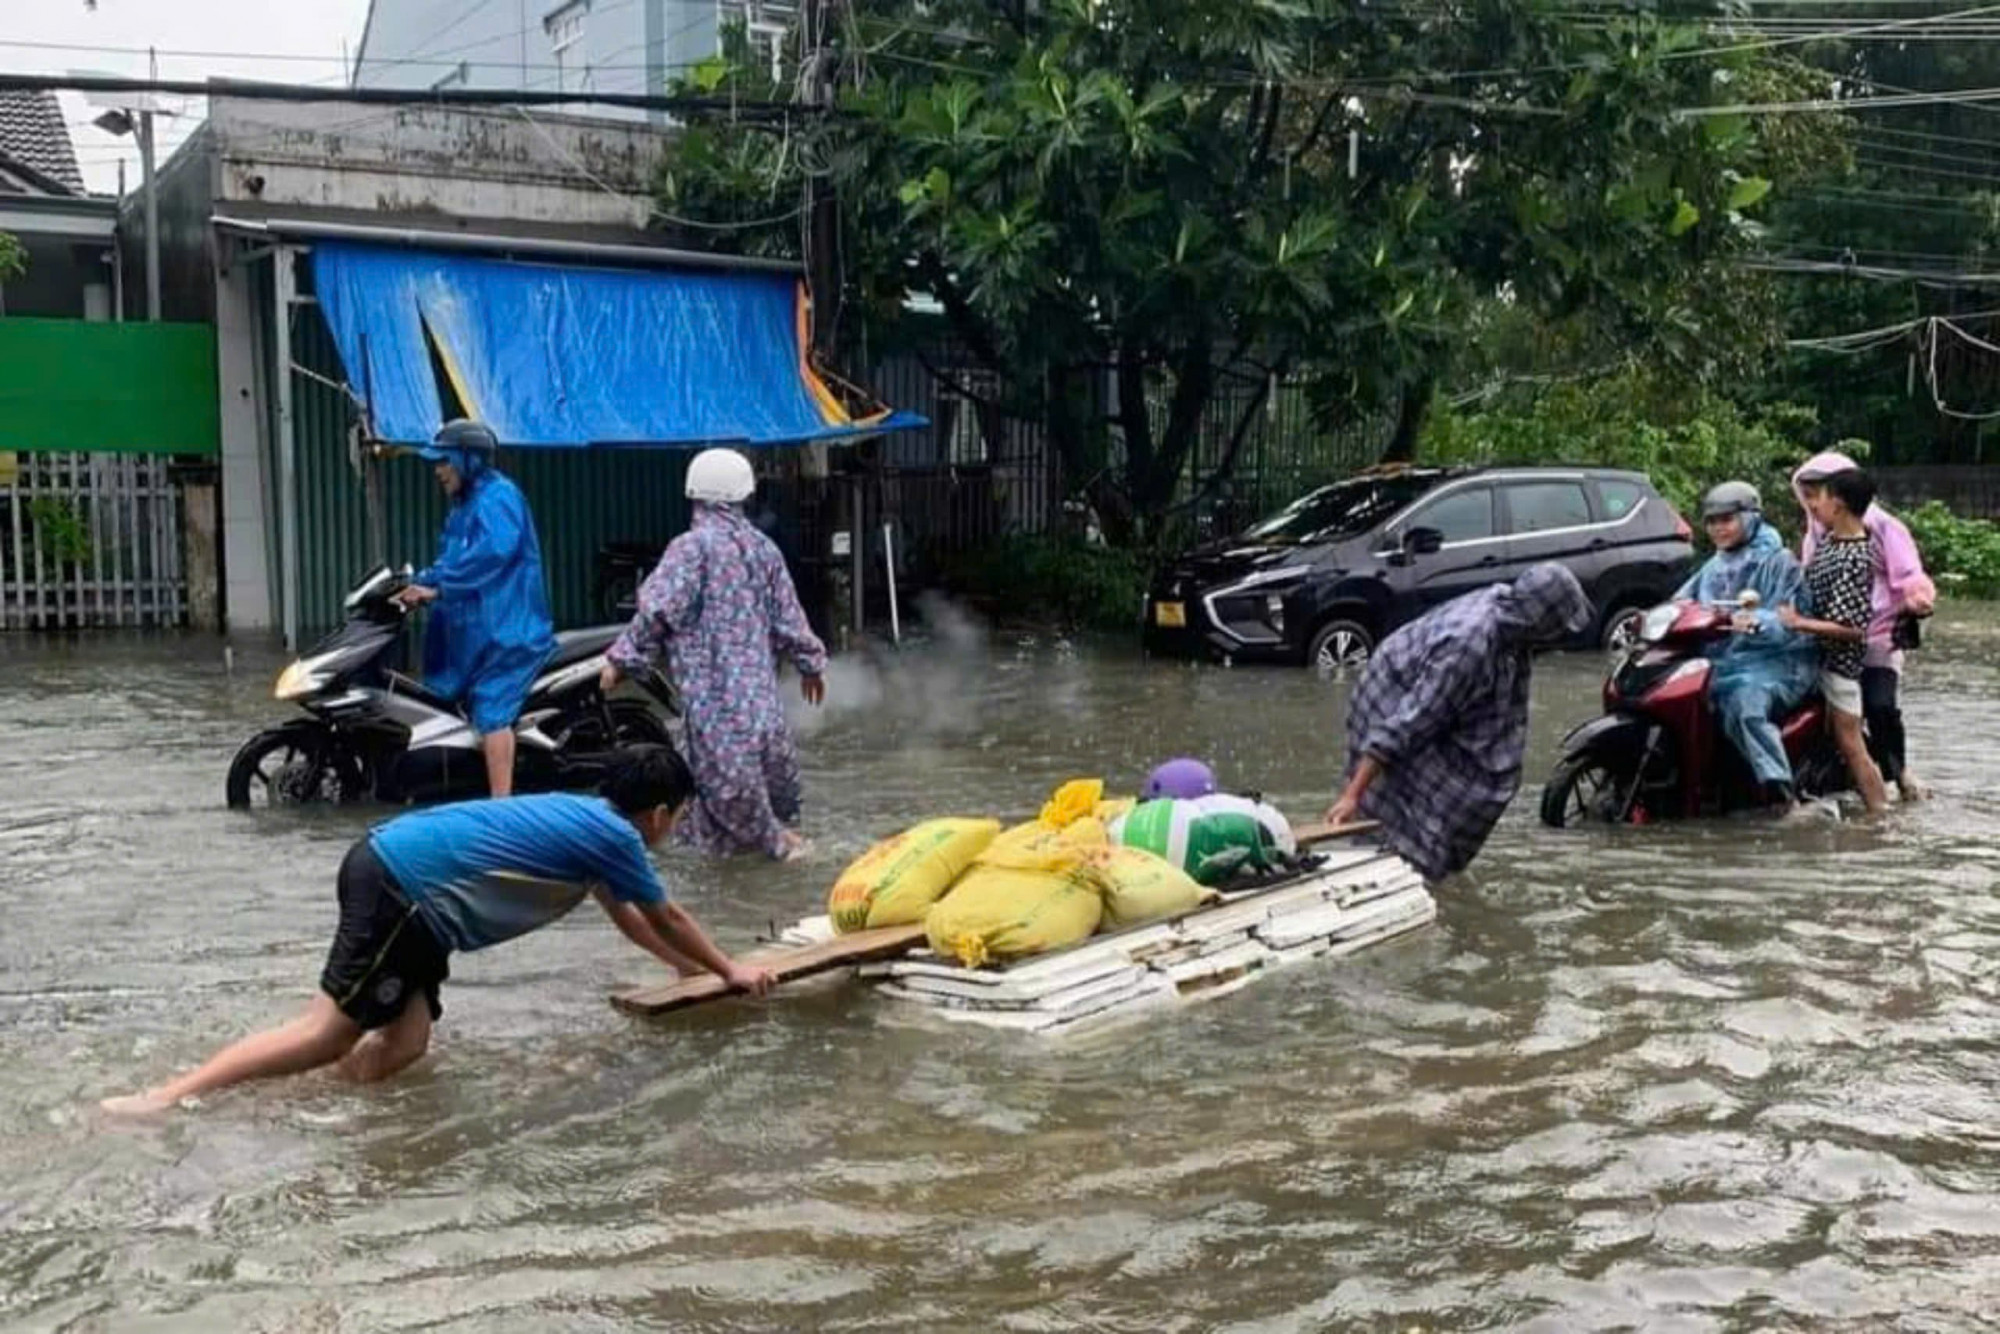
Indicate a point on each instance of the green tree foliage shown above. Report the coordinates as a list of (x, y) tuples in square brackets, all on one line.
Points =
[(13, 259), (1963, 555), (1686, 438), (1138, 201)]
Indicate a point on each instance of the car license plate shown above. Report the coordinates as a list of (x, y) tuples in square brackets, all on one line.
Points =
[(1172, 615)]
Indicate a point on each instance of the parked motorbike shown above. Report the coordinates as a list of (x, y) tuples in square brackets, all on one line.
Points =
[(372, 731), (1658, 751)]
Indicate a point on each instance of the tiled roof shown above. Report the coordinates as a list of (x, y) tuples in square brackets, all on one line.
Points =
[(32, 133)]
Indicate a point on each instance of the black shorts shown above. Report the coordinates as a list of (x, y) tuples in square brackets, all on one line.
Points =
[(382, 953)]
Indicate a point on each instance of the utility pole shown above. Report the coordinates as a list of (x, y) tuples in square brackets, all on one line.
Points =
[(151, 186), (815, 92), (823, 261)]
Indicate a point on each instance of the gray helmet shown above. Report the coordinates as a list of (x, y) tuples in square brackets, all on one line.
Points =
[(1731, 498), (462, 433)]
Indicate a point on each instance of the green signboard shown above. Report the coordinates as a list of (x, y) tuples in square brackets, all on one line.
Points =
[(130, 388)]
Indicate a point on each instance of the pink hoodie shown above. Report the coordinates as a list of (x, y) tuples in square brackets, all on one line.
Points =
[(1900, 582)]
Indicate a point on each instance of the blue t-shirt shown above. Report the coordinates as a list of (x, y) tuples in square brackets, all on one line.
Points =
[(481, 872)]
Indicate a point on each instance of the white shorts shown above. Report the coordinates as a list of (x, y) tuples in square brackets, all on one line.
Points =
[(1843, 693)]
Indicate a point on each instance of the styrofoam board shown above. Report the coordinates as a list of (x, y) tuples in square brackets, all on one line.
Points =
[(1344, 859), (1003, 996), (1401, 884), (1331, 920), (1047, 972), (1147, 988), (1249, 954), (1199, 951)]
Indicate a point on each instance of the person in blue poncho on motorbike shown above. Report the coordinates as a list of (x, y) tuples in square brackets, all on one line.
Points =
[(489, 631), (1763, 670)]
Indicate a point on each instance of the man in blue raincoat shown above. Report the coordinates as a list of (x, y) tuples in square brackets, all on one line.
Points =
[(1764, 670), (489, 632)]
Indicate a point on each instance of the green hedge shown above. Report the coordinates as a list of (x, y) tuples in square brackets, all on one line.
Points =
[(1963, 555), (1052, 580)]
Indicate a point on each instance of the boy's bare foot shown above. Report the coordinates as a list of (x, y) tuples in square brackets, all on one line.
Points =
[(137, 1104)]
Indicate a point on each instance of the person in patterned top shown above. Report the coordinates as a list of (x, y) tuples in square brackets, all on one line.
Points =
[(720, 608), (1438, 726), (1839, 586)]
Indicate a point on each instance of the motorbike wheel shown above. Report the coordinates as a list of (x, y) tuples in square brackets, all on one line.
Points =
[(1581, 789), (632, 723), (636, 724), (294, 765)]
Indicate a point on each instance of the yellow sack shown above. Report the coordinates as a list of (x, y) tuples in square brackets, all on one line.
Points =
[(896, 881), (1139, 887), (1115, 808), (1072, 801), (1039, 846), (996, 913)]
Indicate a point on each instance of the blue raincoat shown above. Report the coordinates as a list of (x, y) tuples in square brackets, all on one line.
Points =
[(489, 630), (1758, 677)]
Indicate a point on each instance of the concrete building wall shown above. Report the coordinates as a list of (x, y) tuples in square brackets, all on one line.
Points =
[(424, 161), (241, 307)]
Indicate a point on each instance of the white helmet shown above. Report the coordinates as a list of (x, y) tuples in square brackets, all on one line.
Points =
[(720, 477)]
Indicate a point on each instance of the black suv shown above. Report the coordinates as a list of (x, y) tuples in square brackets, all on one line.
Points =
[(1323, 580)]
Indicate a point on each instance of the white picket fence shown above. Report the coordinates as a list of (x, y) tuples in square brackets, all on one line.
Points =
[(89, 540)]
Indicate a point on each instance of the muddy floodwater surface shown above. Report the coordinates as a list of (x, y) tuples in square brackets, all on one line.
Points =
[(1702, 1077)]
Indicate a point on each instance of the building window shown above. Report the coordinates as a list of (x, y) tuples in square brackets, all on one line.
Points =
[(572, 61), (767, 24)]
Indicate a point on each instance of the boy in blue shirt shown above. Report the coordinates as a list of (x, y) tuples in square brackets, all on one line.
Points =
[(461, 878)]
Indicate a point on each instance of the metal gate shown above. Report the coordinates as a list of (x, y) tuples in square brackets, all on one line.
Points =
[(89, 540)]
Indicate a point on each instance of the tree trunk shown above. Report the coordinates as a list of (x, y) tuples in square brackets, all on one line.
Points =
[(1085, 469), (1411, 414), (1152, 490)]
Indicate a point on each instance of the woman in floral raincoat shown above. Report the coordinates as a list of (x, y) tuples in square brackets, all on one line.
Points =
[(721, 610)]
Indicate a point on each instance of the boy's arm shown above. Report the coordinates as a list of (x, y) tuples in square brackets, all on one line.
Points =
[(632, 924), (1849, 605), (682, 933), (1805, 625)]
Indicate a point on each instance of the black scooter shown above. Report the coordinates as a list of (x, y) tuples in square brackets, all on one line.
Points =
[(371, 731)]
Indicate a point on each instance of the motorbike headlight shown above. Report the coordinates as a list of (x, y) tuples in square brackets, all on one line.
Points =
[(301, 678), (1658, 621)]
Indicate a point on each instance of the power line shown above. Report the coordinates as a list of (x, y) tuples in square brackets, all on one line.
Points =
[(487, 97), (272, 57)]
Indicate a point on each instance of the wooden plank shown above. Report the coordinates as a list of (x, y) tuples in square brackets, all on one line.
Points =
[(840, 952)]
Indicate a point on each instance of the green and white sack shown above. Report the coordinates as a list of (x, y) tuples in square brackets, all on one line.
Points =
[(1211, 838)]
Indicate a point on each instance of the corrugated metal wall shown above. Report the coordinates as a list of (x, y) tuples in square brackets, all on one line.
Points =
[(581, 499)]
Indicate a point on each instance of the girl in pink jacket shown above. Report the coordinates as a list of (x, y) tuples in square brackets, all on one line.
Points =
[(1901, 589)]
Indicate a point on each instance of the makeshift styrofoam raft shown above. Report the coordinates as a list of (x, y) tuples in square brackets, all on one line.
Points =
[(1348, 900)]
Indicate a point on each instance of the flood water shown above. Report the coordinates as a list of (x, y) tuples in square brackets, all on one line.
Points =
[(1730, 1077)]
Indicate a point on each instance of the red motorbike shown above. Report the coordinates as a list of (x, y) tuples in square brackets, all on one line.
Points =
[(1658, 751)]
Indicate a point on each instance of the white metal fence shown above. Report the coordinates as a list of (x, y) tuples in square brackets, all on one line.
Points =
[(89, 540)]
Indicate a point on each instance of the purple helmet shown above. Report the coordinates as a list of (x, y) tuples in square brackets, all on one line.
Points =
[(1181, 779)]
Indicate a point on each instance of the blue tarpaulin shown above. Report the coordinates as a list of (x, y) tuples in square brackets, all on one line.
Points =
[(561, 355)]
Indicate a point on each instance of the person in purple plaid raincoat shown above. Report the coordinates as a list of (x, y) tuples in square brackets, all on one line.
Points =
[(721, 610), (1438, 726)]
